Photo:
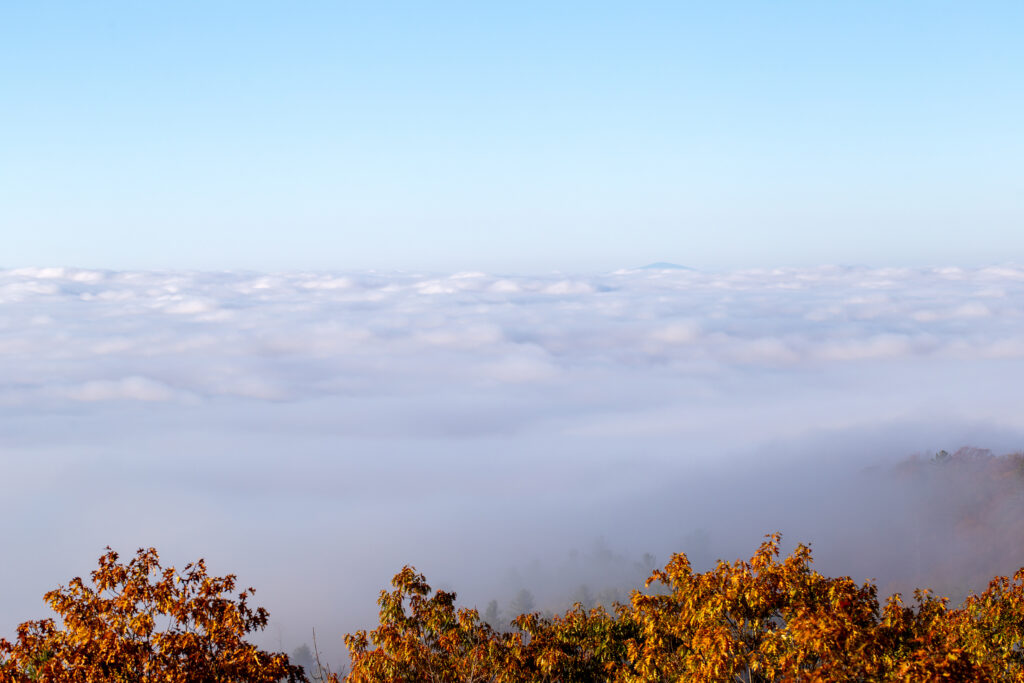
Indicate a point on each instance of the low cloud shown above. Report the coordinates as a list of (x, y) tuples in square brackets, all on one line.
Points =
[(126, 389), (310, 334)]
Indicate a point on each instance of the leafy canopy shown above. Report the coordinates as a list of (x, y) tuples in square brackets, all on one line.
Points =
[(138, 621), (769, 618)]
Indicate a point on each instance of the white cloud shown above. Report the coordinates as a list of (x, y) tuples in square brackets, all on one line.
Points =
[(883, 346), (327, 282), (188, 307), (466, 337), (528, 364), (300, 334), (133, 388), (505, 286), (568, 287), (972, 309), (677, 333)]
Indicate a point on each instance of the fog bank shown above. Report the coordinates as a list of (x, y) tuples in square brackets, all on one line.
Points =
[(313, 432)]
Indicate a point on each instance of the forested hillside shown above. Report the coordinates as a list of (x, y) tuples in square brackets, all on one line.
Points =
[(968, 518)]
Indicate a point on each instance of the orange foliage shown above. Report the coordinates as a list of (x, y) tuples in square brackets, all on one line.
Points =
[(766, 619), (141, 622), (762, 620)]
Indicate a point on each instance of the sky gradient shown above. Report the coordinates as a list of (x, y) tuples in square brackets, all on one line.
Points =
[(511, 137)]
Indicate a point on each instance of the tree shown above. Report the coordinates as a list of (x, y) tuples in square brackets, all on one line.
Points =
[(491, 615), (766, 619), (303, 656), (422, 637), (523, 602), (140, 622), (584, 597)]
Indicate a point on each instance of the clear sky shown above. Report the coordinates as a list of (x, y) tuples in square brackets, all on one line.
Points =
[(513, 136)]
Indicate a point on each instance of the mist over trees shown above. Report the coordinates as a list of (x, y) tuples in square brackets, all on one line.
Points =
[(948, 520), (772, 617)]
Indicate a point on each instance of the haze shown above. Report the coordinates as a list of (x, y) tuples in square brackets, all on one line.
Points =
[(313, 432)]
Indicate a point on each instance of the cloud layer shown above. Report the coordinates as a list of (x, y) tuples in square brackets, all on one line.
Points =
[(88, 336), (351, 422)]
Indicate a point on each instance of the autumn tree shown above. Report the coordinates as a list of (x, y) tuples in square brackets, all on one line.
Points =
[(769, 618), (423, 637), (141, 622), (765, 619)]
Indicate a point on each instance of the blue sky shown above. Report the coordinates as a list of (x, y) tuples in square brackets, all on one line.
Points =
[(510, 136)]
